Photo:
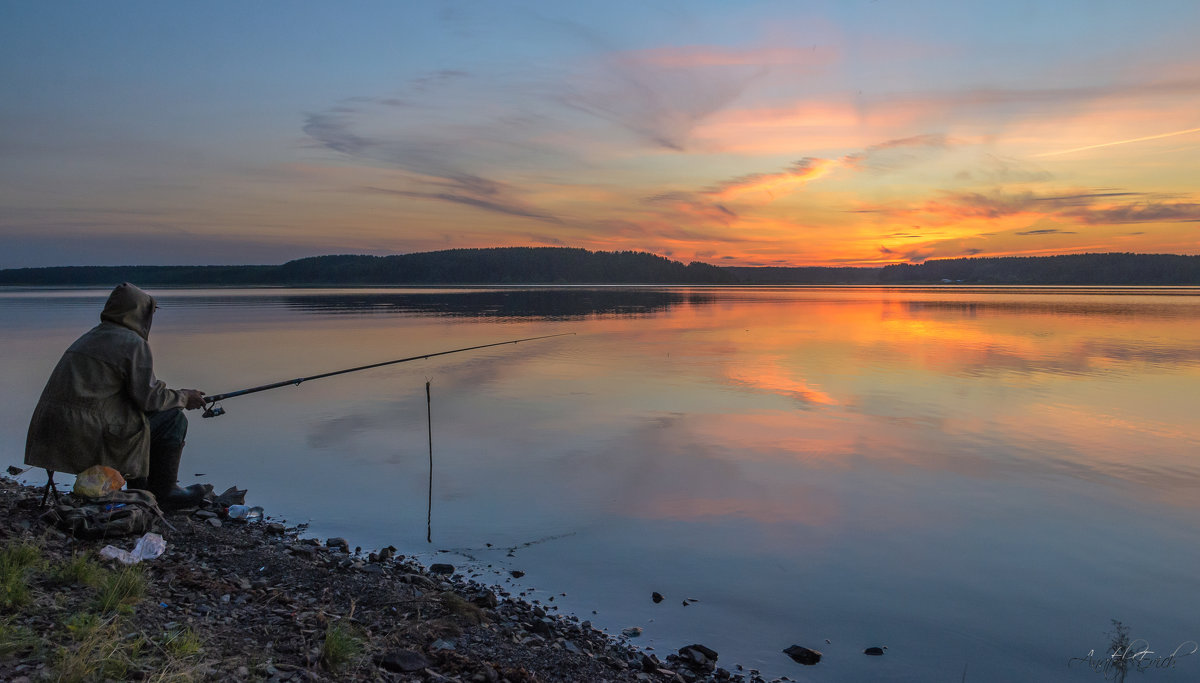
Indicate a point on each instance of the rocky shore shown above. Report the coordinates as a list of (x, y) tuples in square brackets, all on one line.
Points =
[(231, 600)]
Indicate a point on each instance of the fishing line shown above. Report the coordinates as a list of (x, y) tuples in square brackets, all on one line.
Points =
[(213, 410)]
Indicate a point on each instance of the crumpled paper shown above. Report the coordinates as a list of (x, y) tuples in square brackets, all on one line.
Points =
[(147, 547)]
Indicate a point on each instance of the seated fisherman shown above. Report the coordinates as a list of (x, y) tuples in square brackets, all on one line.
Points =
[(103, 406)]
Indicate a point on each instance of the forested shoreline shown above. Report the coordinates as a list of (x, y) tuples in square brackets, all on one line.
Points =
[(562, 265)]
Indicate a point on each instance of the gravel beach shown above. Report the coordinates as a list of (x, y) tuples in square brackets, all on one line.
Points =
[(231, 600)]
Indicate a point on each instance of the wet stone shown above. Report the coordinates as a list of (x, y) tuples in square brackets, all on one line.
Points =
[(707, 652), (403, 661), (803, 655)]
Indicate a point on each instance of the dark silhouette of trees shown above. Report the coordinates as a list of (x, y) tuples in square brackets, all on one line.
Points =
[(562, 265), (1067, 269), (507, 265)]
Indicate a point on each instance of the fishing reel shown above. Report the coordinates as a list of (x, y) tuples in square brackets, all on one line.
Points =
[(213, 410)]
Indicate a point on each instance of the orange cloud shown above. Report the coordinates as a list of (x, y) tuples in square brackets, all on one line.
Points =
[(772, 184)]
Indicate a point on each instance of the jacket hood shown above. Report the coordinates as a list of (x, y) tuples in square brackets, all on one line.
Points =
[(130, 307)]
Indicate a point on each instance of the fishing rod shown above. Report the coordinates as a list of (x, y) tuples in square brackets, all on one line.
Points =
[(211, 409)]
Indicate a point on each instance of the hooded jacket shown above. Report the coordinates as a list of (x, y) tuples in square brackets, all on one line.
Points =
[(93, 409)]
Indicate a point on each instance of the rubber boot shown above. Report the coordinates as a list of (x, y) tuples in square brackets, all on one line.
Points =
[(163, 481)]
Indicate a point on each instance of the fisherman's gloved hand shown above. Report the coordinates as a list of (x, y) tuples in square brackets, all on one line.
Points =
[(194, 398)]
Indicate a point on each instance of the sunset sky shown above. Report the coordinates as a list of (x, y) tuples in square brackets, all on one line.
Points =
[(747, 133)]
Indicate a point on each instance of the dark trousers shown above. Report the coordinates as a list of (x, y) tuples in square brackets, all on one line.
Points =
[(168, 428)]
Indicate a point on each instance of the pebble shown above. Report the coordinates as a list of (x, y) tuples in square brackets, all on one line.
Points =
[(214, 522), (632, 631), (441, 568), (656, 597), (874, 651)]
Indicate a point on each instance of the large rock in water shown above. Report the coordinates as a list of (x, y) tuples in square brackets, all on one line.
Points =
[(803, 655)]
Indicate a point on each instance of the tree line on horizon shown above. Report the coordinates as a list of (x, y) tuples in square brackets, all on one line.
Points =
[(565, 265)]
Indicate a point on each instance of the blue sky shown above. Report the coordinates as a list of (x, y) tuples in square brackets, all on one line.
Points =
[(782, 133)]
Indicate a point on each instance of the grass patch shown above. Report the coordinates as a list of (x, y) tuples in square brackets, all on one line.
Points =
[(342, 645), (120, 590), (16, 560), (16, 640), (182, 643), (81, 625), (80, 569), (97, 652)]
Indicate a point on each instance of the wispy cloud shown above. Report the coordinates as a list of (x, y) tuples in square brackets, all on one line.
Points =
[(659, 101), (784, 181), (1092, 208), (1013, 101), (1114, 143), (711, 201), (489, 202), (895, 154), (447, 152), (1047, 231)]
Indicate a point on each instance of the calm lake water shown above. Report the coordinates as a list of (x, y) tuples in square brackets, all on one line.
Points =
[(980, 479)]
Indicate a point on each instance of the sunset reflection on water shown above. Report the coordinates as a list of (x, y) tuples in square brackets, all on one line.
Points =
[(914, 466)]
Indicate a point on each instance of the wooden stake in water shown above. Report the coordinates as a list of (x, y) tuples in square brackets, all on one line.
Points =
[(429, 421)]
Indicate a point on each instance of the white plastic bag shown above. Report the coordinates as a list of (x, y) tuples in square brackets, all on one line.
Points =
[(147, 547)]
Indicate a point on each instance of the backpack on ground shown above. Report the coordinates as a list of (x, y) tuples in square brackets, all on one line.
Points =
[(118, 513)]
